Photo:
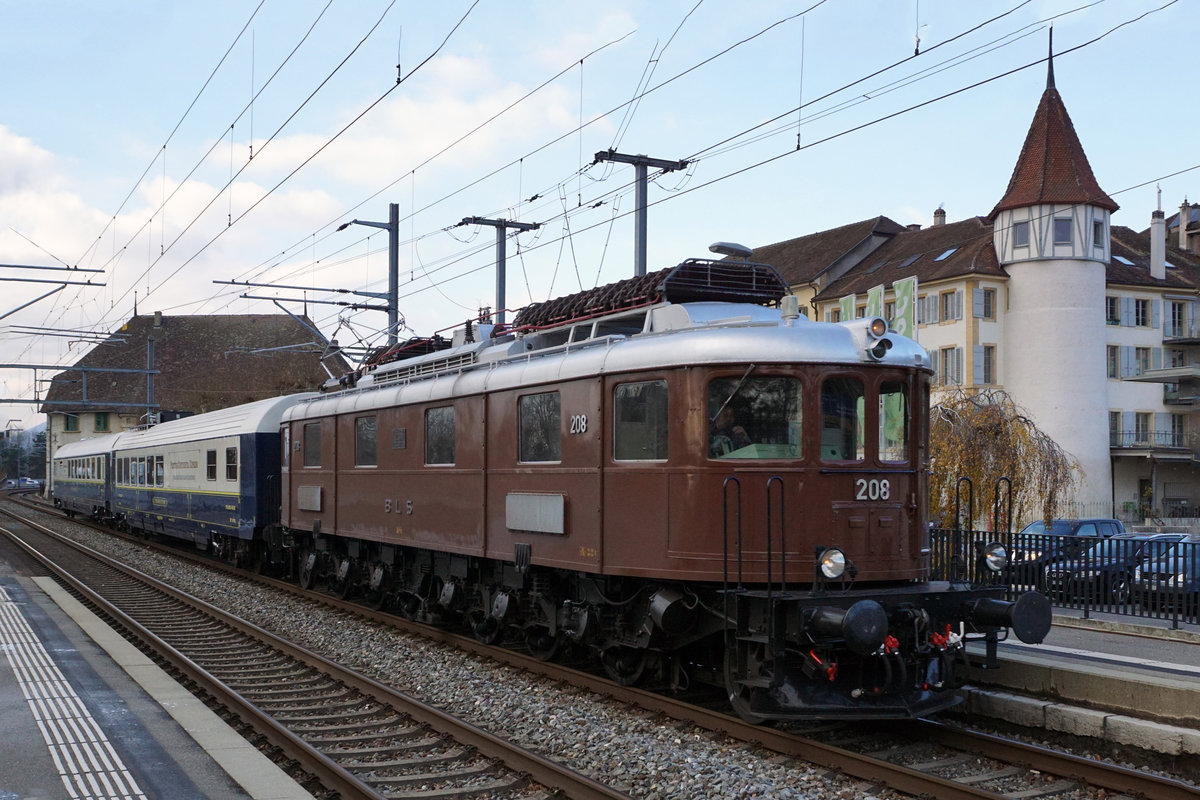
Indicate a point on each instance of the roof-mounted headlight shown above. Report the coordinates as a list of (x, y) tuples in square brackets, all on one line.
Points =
[(832, 562), (879, 349), (877, 327)]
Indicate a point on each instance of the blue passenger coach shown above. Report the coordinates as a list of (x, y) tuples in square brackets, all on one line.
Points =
[(212, 478), (81, 473)]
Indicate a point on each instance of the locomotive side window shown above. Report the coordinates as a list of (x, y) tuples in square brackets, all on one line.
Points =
[(640, 421), (364, 442), (842, 413), (210, 464), (755, 418), (893, 421), (312, 444), (439, 435), (540, 427)]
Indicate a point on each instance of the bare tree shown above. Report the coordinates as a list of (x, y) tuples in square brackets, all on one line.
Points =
[(985, 436)]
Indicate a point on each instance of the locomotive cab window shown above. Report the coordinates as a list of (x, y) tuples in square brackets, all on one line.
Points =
[(364, 442), (842, 415), (439, 435), (893, 421), (755, 417), (539, 423), (640, 421), (312, 444)]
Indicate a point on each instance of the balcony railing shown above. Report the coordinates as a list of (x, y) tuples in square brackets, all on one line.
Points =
[(1181, 330), (1141, 439)]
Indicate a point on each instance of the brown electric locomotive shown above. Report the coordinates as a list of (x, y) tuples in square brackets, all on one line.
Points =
[(679, 472)]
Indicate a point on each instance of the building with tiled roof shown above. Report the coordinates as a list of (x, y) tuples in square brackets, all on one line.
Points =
[(203, 363), (1094, 329)]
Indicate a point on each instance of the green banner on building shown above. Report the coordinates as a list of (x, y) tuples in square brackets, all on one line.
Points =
[(905, 322)]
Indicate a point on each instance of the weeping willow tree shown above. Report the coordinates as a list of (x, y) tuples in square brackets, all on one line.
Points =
[(985, 436)]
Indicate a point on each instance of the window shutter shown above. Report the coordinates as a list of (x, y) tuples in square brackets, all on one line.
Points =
[(958, 304), (1127, 426), (977, 303), (958, 365), (977, 365), (1156, 358), (933, 362), (1156, 313), (1126, 361), (1162, 428), (1127, 312)]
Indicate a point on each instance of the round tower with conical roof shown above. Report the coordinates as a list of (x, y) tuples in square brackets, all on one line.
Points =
[(1051, 233)]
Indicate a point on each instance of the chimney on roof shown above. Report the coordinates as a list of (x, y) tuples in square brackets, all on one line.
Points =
[(939, 217), (916, 226), (1184, 213), (1158, 245), (158, 319)]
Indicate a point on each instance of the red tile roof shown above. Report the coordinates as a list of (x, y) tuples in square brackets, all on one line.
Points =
[(1052, 167)]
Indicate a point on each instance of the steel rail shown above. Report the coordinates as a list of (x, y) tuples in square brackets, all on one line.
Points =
[(514, 757)]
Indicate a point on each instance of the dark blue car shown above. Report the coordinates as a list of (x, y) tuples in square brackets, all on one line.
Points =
[(1171, 581), (1037, 546)]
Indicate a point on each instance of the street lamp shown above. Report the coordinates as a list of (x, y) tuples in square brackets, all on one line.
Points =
[(392, 226)]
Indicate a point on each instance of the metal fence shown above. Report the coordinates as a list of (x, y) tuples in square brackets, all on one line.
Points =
[(1147, 575)]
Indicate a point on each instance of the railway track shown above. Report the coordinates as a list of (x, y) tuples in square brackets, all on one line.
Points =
[(359, 738), (920, 758)]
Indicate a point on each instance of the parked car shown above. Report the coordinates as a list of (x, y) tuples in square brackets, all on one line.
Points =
[(1171, 580), (1104, 572), (1037, 546)]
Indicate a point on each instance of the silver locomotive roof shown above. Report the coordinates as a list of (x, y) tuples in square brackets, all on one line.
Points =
[(662, 336)]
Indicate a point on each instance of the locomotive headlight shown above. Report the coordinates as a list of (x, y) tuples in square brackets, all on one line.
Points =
[(833, 563), (878, 327), (996, 557)]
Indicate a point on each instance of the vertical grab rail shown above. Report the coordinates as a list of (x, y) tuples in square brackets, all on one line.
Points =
[(774, 629), (734, 483), (957, 566), (1002, 509)]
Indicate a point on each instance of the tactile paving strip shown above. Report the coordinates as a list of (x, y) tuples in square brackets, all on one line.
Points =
[(90, 768)]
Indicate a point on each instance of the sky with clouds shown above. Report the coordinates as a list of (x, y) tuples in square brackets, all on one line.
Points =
[(172, 145)]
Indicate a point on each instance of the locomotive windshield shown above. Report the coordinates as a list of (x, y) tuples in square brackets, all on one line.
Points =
[(754, 418)]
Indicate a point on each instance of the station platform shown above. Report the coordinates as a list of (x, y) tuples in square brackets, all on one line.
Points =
[(1129, 680), (87, 715)]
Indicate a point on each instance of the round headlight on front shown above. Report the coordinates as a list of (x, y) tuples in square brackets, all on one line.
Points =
[(878, 327), (995, 556), (833, 563)]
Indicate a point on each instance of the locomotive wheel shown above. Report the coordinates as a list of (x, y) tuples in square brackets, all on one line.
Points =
[(485, 628), (305, 569), (624, 664), (541, 643)]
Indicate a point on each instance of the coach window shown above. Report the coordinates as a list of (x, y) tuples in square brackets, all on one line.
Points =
[(286, 444), (842, 413), (364, 442), (755, 417), (210, 464), (141, 465), (640, 421), (312, 444), (893, 421), (539, 423), (159, 472), (439, 435), (231, 464)]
